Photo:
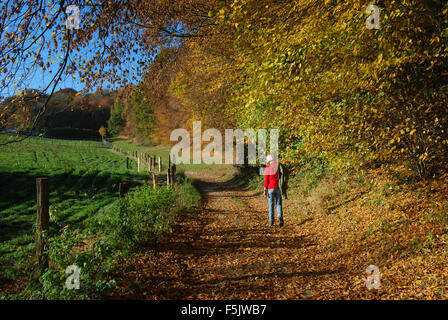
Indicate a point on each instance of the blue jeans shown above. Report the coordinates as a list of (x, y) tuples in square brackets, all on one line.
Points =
[(275, 196)]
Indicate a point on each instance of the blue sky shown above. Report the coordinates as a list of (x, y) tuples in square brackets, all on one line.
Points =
[(39, 79)]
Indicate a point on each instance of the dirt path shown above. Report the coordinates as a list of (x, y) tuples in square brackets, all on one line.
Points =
[(226, 250)]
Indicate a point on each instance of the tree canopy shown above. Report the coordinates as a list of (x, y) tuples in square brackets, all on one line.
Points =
[(341, 92)]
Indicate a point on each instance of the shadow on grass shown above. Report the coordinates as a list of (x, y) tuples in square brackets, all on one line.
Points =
[(18, 194)]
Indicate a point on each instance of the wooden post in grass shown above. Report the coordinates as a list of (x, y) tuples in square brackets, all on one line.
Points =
[(138, 164), (171, 170), (160, 164), (127, 163), (155, 180), (123, 189), (168, 176), (43, 221), (173, 174)]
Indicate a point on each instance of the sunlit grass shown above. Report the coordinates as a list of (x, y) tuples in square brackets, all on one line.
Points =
[(84, 178)]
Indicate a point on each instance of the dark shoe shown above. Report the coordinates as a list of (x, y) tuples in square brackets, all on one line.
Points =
[(281, 223)]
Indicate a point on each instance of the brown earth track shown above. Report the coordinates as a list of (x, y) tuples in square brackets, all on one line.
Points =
[(226, 250)]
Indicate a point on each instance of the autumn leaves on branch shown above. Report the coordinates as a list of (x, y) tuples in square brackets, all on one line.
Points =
[(339, 92)]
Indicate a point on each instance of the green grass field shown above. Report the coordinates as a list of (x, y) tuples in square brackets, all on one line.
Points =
[(84, 178), (89, 226)]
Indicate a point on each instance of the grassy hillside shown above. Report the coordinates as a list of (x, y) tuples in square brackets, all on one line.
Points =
[(84, 178), (89, 226)]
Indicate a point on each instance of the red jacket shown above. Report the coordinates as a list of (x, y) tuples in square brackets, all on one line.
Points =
[(271, 176)]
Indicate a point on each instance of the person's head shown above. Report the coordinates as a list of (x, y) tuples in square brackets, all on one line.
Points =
[(270, 158)]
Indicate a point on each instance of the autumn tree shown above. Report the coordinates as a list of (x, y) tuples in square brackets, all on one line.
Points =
[(116, 121), (143, 114), (336, 89), (340, 92), (115, 43), (102, 131)]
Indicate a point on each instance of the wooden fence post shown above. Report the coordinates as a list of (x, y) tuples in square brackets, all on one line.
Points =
[(160, 164), (168, 176), (155, 180), (127, 163), (138, 164), (43, 220), (173, 174), (123, 189)]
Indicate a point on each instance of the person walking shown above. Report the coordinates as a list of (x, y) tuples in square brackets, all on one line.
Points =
[(272, 188)]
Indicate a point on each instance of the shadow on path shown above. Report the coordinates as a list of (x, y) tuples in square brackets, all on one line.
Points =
[(224, 251)]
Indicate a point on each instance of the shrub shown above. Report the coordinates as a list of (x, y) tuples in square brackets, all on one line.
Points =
[(122, 228), (143, 215)]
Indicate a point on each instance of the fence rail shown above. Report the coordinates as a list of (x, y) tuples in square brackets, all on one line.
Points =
[(148, 163)]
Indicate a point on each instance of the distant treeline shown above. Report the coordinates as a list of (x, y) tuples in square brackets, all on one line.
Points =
[(72, 133), (66, 108)]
